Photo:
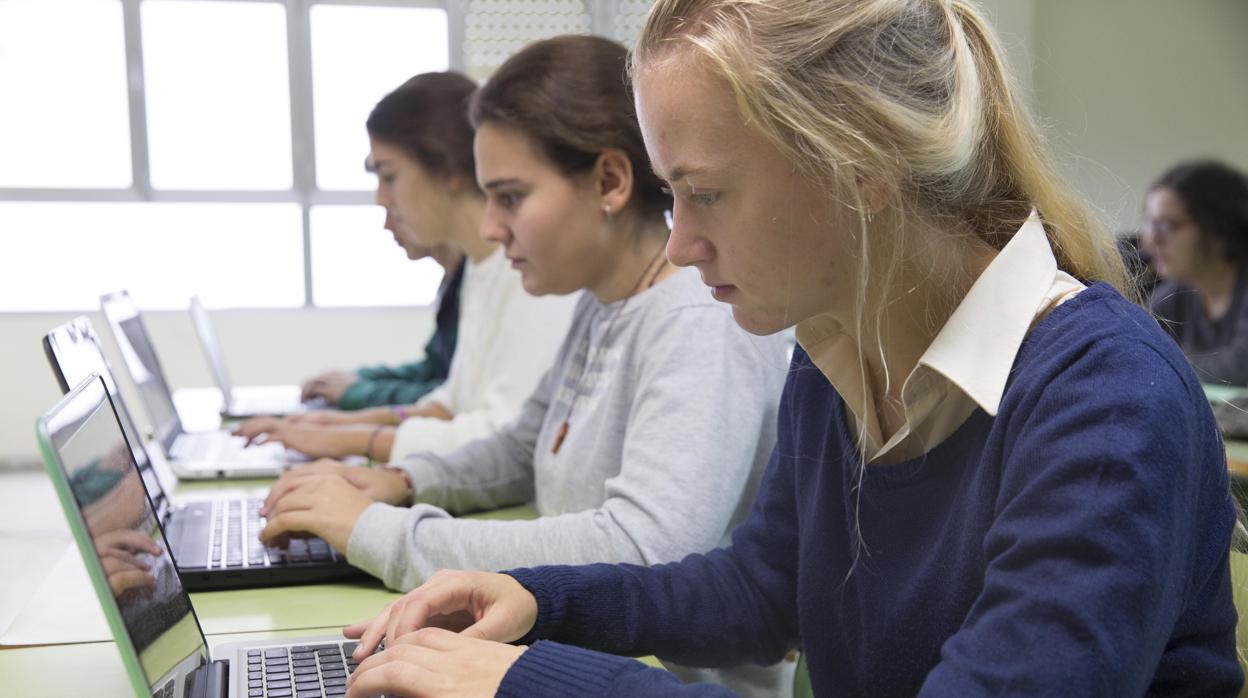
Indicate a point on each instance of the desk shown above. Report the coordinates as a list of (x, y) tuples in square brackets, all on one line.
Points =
[(95, 668)]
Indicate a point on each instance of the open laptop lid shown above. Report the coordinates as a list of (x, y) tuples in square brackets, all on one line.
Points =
[(212, 350), (74, 353), (139, 356), (98, 484)]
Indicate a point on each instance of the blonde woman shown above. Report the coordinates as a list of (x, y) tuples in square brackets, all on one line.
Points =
[(994, 474)]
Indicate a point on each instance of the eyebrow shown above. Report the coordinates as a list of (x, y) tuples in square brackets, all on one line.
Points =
[(678, 173), (496, 183)]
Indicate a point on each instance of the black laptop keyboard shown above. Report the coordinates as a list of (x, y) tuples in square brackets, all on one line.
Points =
[(300, 671), (234, 543)]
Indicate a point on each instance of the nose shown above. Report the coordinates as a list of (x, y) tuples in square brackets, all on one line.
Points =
[(382, 197), (493, 228), (686, 246)]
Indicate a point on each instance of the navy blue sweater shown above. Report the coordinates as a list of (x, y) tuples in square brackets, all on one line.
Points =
[(1076, 544)]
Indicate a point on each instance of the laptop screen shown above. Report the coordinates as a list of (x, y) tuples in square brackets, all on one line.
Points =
[(74, 351), (140, 358), (212, 348), (95, 462)]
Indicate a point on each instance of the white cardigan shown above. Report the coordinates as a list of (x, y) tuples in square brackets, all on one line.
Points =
[(506, 341)]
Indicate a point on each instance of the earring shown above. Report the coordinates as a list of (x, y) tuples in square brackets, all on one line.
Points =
[(606, 210)]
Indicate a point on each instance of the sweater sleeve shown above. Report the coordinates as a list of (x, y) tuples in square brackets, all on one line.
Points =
[(555, 670), (689, 451), (523, 344), (488, 473), (1097, 547), (389, 389)]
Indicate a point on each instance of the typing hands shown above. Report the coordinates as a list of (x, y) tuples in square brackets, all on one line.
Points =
[(323, 505), (314, 439), (448, 636), (329, 385)]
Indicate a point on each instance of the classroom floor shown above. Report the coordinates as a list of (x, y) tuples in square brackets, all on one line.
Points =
[(33, 536)]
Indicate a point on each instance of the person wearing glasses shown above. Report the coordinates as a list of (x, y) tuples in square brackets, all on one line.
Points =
[(1196, 224)]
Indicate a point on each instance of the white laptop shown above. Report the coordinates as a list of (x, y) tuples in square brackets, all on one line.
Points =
[(144, 601), (191, 454), (241, 402)]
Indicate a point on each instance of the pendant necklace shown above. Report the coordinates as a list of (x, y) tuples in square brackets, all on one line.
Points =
[(606, 337)]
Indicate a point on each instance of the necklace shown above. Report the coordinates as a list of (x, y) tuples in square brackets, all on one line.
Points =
[(606, 341)]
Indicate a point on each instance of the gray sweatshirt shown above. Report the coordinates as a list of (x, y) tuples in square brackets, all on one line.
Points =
[(673, 422)]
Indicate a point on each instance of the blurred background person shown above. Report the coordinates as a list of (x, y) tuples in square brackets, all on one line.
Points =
[(1196, 225)]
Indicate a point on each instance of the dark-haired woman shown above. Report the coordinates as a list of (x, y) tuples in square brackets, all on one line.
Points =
[(421, 149), (646, 439), (1196, 221)]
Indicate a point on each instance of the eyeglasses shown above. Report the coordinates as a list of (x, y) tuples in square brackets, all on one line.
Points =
[(1163, 228)]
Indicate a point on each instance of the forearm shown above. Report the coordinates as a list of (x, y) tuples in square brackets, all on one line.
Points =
[(555, 670), (702, 611), (379, 392)]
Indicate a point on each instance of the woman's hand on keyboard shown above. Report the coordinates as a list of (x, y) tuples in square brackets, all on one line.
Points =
[(256, 428), (435, 662), (322, 505), (379, 484), (481, 605)]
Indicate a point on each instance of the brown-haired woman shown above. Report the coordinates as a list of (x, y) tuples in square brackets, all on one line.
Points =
[(421, 151), (1196, 221), (646, 439), (994, 474)]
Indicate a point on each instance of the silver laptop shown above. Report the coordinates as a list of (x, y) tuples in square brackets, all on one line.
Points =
[(191, 454), (128, 560), (245, 401), (213, 537)]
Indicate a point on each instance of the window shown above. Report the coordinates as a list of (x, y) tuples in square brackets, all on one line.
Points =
[(217, 147), (66, 63), (175, 147), (218, 96)]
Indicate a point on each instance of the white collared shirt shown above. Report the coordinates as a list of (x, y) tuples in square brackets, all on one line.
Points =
[(969, 361)]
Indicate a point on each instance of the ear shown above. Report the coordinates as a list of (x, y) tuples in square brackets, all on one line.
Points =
[(613, 179), (874, 192), (454, 184)]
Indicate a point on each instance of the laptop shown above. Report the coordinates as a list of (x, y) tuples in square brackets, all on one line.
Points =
[(192, 454), (127, 556), (246, 401), (214, 538)]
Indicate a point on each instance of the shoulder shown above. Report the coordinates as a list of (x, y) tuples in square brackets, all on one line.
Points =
[(1097, 336), (1099, 370)]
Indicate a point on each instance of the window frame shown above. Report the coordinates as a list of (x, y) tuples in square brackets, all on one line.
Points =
[(304, 190)]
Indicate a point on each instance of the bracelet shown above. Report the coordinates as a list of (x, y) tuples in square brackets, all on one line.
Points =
[(372, 438), (400, 412)]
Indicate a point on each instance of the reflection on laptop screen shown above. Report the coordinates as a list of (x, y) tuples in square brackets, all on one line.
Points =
[(131, 549), (140, 357), (75, 353)]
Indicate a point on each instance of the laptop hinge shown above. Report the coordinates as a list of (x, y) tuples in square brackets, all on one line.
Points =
[(210, 680)]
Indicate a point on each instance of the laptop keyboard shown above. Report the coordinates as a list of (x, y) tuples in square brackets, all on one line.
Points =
[(235, 542), (223, 447), (223, 534), (300, 671)]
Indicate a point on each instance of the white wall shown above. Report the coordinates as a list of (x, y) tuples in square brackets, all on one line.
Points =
[(1129, 87), (260, 346)]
